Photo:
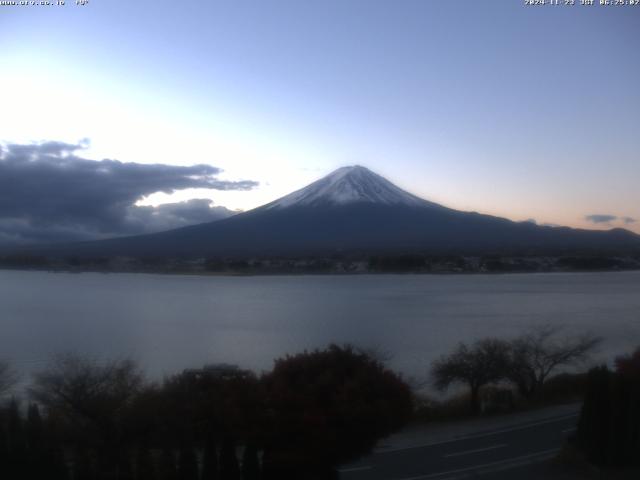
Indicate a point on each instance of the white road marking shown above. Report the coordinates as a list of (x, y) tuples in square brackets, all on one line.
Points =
[(355, 469), (499, 463), (479, 435), (477, 450)]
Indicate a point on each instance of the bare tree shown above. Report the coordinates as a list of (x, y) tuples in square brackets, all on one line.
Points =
[(8, 377), (485, 361), (541, 351), (89, 392)]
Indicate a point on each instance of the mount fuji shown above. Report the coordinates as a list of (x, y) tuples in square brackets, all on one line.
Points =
[(354, 210), (349, 185)]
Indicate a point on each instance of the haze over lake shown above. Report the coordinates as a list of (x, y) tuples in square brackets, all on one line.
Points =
[(173, 322)]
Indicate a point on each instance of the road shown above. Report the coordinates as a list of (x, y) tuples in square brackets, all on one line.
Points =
[(501, 449)]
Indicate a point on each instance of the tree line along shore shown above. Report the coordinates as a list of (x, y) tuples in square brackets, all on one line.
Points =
[(333, 264)]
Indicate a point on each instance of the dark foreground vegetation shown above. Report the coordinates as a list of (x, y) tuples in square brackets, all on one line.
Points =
[(85, 420), (609, 426), (312, 412)]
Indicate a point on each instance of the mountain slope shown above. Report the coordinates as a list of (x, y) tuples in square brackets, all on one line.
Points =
[(355, 210)]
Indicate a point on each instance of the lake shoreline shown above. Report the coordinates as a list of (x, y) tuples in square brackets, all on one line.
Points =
[(338, 264), (295, 273)]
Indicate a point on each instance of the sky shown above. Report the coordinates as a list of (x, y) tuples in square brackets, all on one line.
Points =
[(526, 112)]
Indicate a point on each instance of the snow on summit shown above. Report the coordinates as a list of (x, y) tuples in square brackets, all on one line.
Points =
[(354, 184)]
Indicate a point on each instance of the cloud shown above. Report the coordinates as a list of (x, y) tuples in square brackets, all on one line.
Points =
[(607, 219), (174, 215), (600, 218), (49, 193)]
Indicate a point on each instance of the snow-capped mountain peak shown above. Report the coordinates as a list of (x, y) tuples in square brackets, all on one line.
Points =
[(347, 185)]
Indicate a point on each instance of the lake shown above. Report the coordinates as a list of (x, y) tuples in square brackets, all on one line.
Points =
[(170, 322)]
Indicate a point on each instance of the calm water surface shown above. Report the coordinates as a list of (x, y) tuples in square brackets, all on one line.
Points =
[(172, 322)]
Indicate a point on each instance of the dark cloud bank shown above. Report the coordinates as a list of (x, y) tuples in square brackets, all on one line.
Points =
[(48, 193)]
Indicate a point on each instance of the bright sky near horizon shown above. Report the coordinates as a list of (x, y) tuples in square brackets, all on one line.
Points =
[(494, 106)]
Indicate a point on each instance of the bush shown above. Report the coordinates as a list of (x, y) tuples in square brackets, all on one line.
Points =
[(609, 426), (330, 406)]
